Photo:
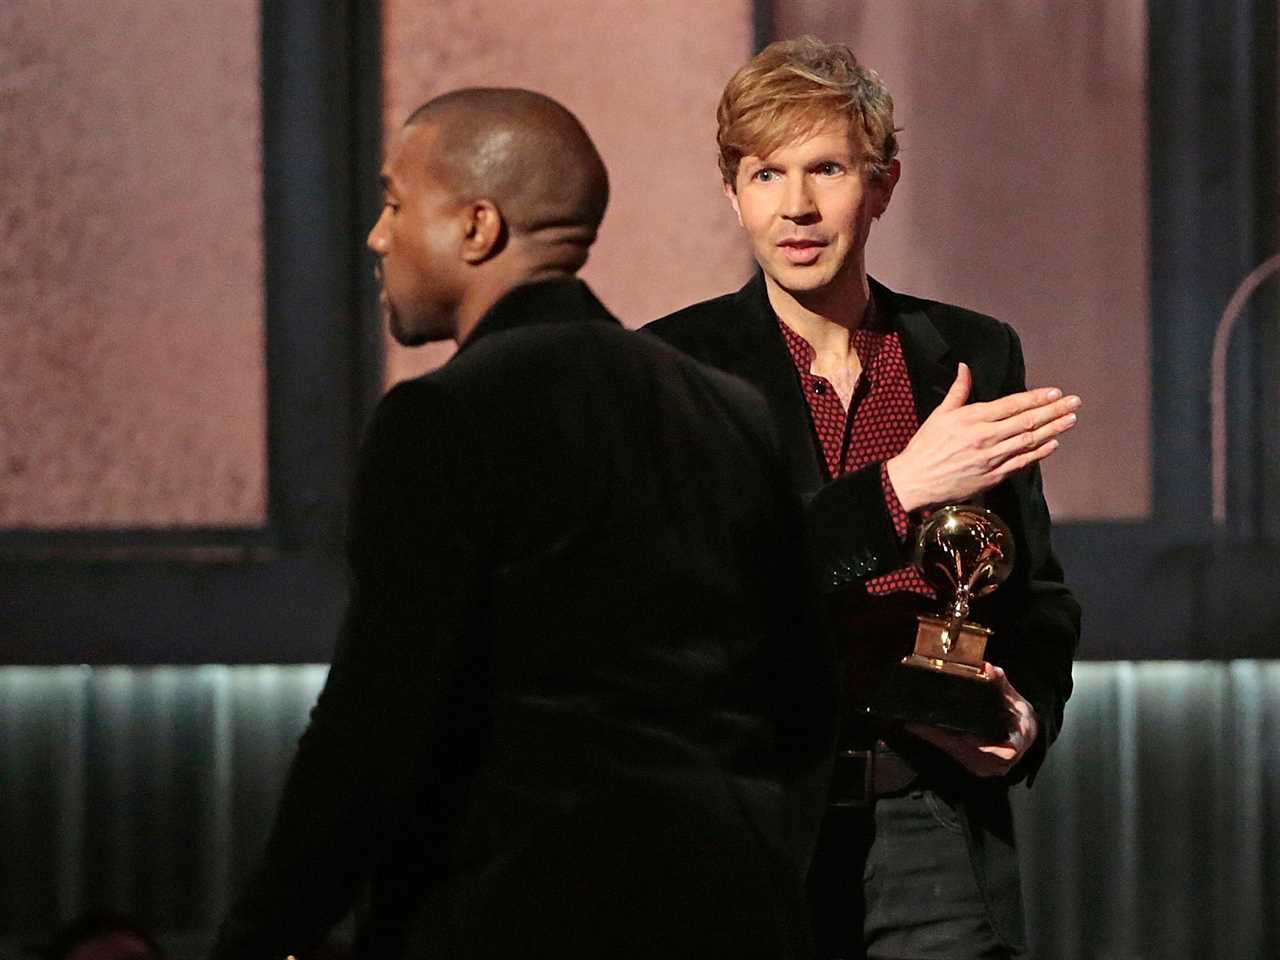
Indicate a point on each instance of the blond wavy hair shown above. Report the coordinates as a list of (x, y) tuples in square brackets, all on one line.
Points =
[(790, 89)]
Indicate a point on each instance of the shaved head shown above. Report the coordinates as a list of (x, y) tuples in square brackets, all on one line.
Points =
[(483, 190), (524, 152)]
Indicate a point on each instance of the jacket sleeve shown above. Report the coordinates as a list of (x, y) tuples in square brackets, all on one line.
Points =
[(381, 732), (851, 533), (1035, 618)]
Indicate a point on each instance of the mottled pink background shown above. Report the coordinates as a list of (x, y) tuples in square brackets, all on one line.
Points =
[(132, 369), (132, 373)]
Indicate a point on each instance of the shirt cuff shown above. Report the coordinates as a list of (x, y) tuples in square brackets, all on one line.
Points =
[(901, 522)]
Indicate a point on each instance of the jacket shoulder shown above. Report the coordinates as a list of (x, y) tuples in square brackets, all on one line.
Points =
[(989, 346), (954, 321)]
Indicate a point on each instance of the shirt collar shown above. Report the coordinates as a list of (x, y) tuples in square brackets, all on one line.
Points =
[(866, 340)]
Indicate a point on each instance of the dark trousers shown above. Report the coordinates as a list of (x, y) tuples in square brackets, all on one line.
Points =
[(895, 881)]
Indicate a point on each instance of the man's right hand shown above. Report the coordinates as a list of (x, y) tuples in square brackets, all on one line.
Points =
[(964, 448)]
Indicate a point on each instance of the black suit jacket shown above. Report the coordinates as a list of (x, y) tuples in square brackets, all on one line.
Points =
[(1036, 620), (852, 538), (581, 706)]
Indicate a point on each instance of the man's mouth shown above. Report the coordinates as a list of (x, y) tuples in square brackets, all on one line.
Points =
[(801, 250)]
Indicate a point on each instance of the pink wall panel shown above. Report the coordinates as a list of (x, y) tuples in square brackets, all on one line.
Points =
[(131, 372), (644, 78), (1023, 195)]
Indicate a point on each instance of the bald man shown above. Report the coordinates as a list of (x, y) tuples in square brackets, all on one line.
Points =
[(581, 705)]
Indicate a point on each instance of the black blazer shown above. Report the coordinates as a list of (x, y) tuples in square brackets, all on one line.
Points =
[(581, 705), (1036, 620)]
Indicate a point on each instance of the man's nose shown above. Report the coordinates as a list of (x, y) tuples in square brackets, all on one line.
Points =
[(797, 201), (376, 241)]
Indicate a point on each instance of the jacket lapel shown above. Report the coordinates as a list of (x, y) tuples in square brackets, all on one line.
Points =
[(765, 362), (923, 349)]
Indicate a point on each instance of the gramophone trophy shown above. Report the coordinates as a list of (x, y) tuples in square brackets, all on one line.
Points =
[(963, 552)]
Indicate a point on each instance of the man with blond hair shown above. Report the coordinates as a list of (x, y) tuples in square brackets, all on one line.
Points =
[(889, 405)]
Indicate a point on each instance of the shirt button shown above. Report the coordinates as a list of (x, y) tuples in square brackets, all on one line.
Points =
[(819, 387)]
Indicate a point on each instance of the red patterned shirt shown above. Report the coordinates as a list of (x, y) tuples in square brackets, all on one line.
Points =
[(880, 420)]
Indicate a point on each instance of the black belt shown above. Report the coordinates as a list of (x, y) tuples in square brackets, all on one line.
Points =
[(861, 776)]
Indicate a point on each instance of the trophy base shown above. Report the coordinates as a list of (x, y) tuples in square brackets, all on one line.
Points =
[(968, 671), (940, 696)]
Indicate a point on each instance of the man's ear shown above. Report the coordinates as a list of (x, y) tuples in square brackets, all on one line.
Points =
[(484, 232), (732, 195), (884, 188)]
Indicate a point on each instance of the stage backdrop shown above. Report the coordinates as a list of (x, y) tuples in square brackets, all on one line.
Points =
[(132, 376), (134, 388)]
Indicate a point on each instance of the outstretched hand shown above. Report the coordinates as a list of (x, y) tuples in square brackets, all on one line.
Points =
[(964, 448), (980, 757)]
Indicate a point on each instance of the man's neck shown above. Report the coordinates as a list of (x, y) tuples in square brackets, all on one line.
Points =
[(825, 318)]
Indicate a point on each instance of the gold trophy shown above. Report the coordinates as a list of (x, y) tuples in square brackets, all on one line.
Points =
[(963, 552)]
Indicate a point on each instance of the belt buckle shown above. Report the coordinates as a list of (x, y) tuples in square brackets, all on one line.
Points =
[(846, 799)]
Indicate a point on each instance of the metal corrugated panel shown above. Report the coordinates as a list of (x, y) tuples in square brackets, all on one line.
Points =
[(143, 791), (1149, 834)]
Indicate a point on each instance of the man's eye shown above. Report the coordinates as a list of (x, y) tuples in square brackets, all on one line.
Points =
[(764, 176), (830, 169)]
